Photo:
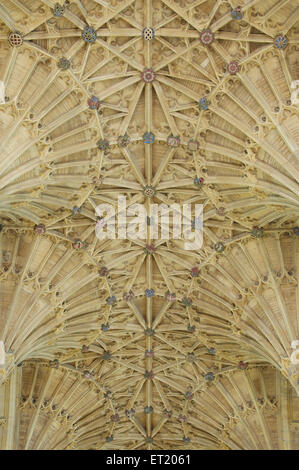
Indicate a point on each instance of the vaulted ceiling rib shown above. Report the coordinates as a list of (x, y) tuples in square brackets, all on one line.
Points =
[(140, 344)]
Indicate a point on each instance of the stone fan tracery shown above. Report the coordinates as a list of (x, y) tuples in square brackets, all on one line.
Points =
[(167, 102)]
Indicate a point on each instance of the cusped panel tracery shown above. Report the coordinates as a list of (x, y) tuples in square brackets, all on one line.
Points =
[(51, 296), (163, 102), (61, 406)]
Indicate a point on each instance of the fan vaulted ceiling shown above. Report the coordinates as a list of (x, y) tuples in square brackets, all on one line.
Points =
[(132, 344)]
